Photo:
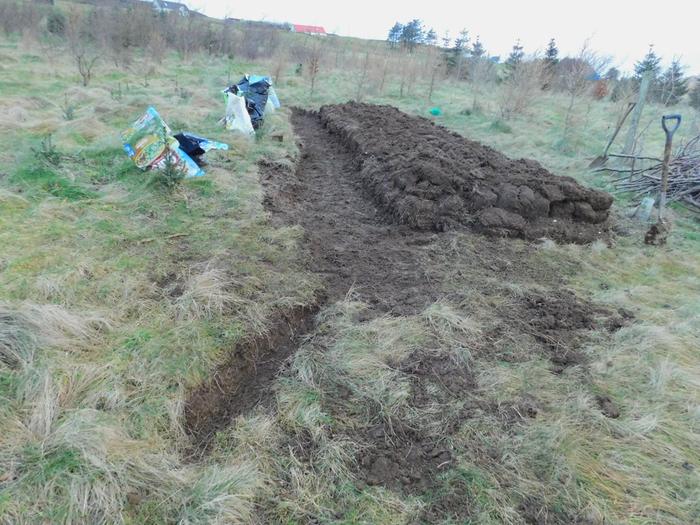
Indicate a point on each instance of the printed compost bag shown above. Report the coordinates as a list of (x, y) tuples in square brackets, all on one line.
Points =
[(149, 141)]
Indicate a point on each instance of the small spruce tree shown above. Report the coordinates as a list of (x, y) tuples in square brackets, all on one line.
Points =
[(446, 40), (551, 55), (649, 65), (515, 58), (674, 84), (430, 38), (395, 35), (412, 34), (478, 49), (455, 58)]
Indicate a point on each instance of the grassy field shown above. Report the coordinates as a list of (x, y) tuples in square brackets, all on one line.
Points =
[(97, 351)]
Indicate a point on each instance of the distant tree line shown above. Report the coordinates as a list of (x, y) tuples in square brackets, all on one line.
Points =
[(410, 35), (463, 58), (112, 32)]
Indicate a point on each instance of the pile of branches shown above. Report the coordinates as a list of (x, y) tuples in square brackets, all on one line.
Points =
[(683, 176)]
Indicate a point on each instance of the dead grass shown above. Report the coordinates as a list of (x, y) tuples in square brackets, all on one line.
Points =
[(204, 294), (96, 353)]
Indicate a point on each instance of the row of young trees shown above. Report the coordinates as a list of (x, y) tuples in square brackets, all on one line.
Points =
[(114, 32), (667, 87), (464, 59), (411, 34)]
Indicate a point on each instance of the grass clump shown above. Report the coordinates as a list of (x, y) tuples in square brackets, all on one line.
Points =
[(37, 179), (500, 126), (17, 340)]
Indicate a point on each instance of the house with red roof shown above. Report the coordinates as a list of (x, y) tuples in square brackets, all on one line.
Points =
[(309, 30)]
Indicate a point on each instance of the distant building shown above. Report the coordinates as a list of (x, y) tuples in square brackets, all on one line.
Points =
[(162, 6), (308, 30)]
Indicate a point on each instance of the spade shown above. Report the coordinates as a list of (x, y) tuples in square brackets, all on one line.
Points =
[(602, 159)]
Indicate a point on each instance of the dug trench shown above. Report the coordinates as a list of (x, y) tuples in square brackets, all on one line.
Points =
[(398, 251)]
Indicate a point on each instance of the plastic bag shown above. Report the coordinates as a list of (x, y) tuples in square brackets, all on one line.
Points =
[(149, 142), (196, 146), (272, 96), (255, 89), (237, 117)]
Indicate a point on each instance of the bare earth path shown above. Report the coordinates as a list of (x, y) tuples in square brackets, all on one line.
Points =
[(351, 244), (398, 271)]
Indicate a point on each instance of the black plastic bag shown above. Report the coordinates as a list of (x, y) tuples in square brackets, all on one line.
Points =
[(255, 90)]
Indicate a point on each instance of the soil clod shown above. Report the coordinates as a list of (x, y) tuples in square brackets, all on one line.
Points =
[(432, 178), (608, 407), (403, 459)]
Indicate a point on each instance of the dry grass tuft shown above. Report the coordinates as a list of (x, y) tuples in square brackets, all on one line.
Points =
[(220, 494), (205, 294), (454, 331), (18, 341), (25, 328)]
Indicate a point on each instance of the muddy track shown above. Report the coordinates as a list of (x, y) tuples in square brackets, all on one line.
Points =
[(350, 242), (353, 244), (243, 380)]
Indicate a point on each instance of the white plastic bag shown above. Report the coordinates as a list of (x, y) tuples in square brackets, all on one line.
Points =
[(237, 117), (272, 95)]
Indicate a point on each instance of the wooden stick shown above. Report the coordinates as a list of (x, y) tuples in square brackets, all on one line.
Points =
[(173, 236), (637, 157)]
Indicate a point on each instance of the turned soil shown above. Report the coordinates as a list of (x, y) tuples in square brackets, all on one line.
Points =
[(365, 234), (432, 178)]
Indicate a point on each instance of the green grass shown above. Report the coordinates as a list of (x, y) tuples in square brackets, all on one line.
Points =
[(105, 347), (44, 179)]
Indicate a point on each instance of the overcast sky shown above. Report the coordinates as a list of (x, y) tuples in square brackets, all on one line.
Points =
[(621, 28)]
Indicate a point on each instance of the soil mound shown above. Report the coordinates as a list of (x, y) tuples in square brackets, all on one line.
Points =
[(429, 177)]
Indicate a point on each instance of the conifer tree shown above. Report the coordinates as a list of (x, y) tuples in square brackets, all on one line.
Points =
[(478, 49), (649, 65), (551, 55), (395, 35), (674, 84), (461, 48), (515, 58), (446, 40), (412, 34)]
